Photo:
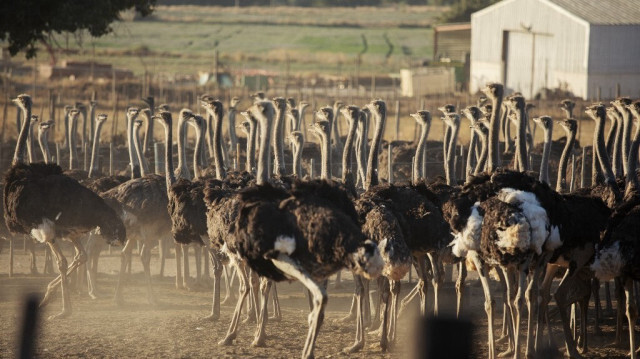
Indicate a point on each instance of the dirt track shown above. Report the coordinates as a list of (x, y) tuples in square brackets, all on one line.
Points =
[(99, 328)]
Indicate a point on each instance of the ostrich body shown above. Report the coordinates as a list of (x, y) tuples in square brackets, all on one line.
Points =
[(36, 202)]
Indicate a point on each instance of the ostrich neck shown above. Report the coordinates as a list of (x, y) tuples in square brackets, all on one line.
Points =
[(144, 166), (494, 134), (325, 151), (603, 159), (546, 153), (278, 143), (73, 148), (92, 112), (94, 149), (182, 151), (347, 153), (445, 142), (521, 145), (133, 159), (561, 184), (471, 153), (417, 159), (66, 129), (297, 159), (611, 135), (484, 153), (148, 131), (168, 155), (43, 141), (617, 148), (632, 178), (232, 128), (30, 149), (251, 148), (197, 170), (372, 162), (265, 150), (627, 125), (18, 156), (451, 165)]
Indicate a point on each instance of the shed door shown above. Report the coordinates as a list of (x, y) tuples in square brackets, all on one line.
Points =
[(518, 61)]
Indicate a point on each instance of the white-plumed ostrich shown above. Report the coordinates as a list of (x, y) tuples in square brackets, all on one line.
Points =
[(37, 202)]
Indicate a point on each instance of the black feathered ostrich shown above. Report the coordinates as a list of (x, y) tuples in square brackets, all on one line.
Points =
[(37, 202)]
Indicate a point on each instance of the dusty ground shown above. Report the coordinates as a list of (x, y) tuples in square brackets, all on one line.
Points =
[(99, 328)]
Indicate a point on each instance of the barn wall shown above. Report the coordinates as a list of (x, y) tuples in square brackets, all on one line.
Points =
[(614, 58), (560, 59)]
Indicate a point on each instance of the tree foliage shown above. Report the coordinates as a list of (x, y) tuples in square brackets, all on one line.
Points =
[(23, 23), (461, 10)]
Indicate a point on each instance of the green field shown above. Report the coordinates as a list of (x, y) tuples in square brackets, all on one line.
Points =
[(182, 39)]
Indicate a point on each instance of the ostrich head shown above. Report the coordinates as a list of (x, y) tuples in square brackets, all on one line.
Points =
[(544, 121), (570, 125), (291, 102), (296, 138), (486, 110), (262, 110), (635, 109), (234, 102), (149, 101), (101, 118), (146, 113), (481, 100), (482, 128), (93, 103), (493, 91), (34, 119), (67, 108), (293, 113), (23, 101), (164, 117), (73, 114), (163, 107), (377, 107), (423, 117), (351, 113), (132, 113), (515, 103), (367, 261), (212, 106), (621, 104), (137, 124), (596, 112), (451, 119), (320, 128), (325, 113), (258, 96), (567, 106), (46, 125), (245, 126), (185, 115), (198, 121), (280, 104), (80, 106), (302, 105), (338, 105), (448, 108), (613, 113), (472, 113)]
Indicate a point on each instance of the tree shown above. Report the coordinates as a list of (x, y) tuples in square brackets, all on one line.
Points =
[(23, 23), (462, 10)]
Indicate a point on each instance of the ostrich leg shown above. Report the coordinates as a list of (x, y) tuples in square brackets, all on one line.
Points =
[(595, 288), (206, 276), (62, 267), (316, 317), (488, 303), (462, 275), (607, 297), (185, 261), (48, 261), (265, 286), (545, 297), (125, 255), (31, 247), (564, 297), (366, 304), (78, 260), (162, 248), (423, 283), (437, 279), (179, 278), (145, 257), (244, 291), (229, 274), (532, 298), (512, 300), (254, 297), (277, 315), (507, 322), (393, 309), (217, 274), (359, 343), (632, 316), (197, 249), (94, 247)]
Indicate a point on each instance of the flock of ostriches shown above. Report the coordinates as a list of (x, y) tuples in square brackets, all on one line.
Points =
[(270, 226)]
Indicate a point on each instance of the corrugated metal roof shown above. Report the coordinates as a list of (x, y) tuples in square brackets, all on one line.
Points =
[(603, 12)]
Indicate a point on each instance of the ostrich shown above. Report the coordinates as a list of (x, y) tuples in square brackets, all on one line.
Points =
[(47, 214), (452, 121), (148, 133), (43, 139), (547, 125), (232, 123), (297, 141), (337, 141), (617, 255), (473, 114), (627, 125), (250, 127), (280, 105), (517, 107), (361, 146), (494, 92), (570, 126), (300, 248), (31, 152), (448, 108), (614, 141), (72, 129), (423, 118)]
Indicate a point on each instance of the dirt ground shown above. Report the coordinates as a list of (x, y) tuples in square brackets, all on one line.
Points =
[(172, 328)]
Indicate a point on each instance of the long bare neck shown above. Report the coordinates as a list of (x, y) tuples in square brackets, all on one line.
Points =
[(148, 131), (325, 154), (73, 146), (30, 144), (133, 158), (471, 154), (484, 153), (521, 145), (18, 156), (494, 135), (209, 135), (417, 159), (94, 149), (451, 164), (144, 165), (44, 144), (297, 159), (217, 147), (632, 177), (197, 170), (546, 153), (278, 142), (611, 135), (92, 119), (182, 151), (347, 153), (265, 151), (561, 184), (168, 156), (251, 148), (627, 125), (600, 149), (232, 128), (617, 148), (372, 162), (445, 143)]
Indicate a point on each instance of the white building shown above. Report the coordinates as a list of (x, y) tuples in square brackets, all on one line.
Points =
[(588, 47)]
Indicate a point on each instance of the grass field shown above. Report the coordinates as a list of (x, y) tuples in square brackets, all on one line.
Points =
[(183, 38)]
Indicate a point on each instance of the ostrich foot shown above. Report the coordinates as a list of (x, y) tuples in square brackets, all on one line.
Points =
[(61, 315), (276, 318), (249, 319), (506, 353), (258, 343), (47, 298), (348, 318), (356, 347), (93, 295), (502, 339), (211, 317), (376, 332), (228, 340)]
